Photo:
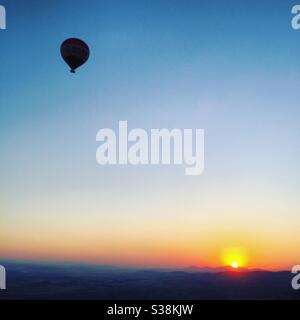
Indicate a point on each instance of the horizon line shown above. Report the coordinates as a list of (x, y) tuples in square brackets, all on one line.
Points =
[(223, 268)]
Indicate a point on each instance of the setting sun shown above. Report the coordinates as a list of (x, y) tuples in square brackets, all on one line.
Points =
[(235, 257)]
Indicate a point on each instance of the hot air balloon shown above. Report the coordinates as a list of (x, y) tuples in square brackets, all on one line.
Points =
[(75, 52)]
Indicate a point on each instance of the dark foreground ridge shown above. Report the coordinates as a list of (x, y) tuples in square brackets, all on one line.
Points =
[(67, 281)]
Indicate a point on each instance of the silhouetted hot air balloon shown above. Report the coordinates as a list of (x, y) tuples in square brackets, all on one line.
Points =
[(75, 52)]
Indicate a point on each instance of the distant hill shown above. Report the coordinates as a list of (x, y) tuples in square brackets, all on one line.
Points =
[(59, 281), (218, 269)]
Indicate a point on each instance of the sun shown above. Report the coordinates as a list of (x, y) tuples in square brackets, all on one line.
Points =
[(234, 257)]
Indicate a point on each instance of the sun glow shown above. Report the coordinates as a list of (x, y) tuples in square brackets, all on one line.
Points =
[(234, 257)]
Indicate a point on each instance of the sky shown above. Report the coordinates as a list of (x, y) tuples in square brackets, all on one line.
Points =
[(231, 68)]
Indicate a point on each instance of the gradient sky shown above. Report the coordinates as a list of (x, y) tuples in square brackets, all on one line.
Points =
[(229, 67)]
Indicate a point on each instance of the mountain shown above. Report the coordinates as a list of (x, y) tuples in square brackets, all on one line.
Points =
[(219, 269), (69, 281)]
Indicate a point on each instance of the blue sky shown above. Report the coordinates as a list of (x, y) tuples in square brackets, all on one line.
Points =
[(230, 68)]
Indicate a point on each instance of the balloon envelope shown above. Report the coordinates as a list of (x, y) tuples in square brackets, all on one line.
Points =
[(75, 52)]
